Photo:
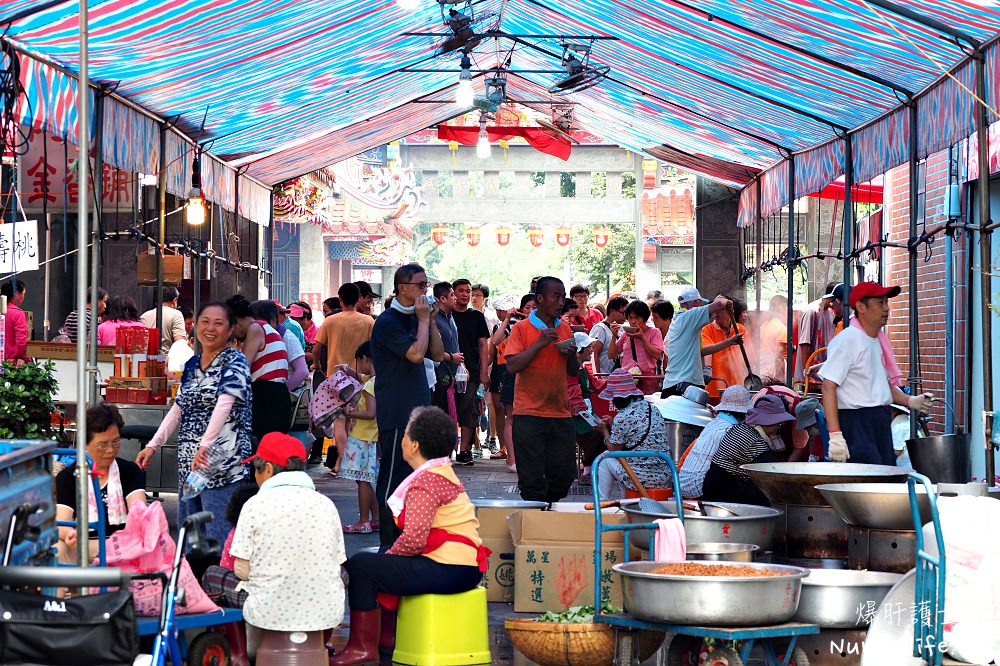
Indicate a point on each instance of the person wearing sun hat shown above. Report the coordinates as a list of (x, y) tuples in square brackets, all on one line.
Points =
[(288, 546), (638, 426), (732, 409), (684, 364), (745, 443), (861, 380)]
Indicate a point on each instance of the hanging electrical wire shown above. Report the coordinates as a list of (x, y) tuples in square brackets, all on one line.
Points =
[(13, 137)]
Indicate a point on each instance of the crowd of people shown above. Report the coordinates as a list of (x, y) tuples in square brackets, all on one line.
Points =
[(445, 373)]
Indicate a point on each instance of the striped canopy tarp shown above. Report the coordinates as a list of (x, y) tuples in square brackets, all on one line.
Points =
[(725, 87)]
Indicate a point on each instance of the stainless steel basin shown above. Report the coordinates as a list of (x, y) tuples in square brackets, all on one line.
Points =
[(842, 598), (711, 600), (877, 506), (722, 552), (795, 483), (752, 524)]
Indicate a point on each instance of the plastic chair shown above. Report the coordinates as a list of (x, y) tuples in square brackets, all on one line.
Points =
[(292, 648), (443, 630)]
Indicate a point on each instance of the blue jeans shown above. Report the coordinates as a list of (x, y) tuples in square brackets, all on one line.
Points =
[(210, 499)]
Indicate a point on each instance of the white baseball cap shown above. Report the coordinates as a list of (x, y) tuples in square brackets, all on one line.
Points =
[(690, 295), (503, 303), (583, 340)]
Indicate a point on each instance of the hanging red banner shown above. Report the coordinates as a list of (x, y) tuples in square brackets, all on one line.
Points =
[(563, 235), (503, 236), (439, 233), (539, 138), (601, 236), (536, 236)]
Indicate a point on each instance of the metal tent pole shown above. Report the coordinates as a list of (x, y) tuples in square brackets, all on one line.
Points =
[(790, 269), (161, 186), (83, 140), (848, 239), (985, 257), (95, 251), (46, 325), (758, 254), (915, 381)]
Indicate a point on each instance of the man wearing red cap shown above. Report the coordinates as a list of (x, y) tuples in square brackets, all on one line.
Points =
[(861, 380), (288, 546)]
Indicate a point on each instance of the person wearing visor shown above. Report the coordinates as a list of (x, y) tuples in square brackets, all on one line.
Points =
[(861, 380)]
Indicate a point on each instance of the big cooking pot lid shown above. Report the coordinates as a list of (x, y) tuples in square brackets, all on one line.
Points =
[(682, 410)]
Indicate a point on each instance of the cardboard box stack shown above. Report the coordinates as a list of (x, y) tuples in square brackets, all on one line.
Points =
[(495, 533), (140, 370), (554, 560)]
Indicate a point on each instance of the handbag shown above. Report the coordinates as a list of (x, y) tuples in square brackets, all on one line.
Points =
[(96, 629)]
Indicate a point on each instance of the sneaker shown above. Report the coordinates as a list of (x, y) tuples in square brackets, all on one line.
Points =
[(494, 445), (585, 479), (358, 528), (464, 458), (477, 453)]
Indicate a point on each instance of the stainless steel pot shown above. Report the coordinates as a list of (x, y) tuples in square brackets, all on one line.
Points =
[(942, 458), (680, 436), (722, 552), (841, 598), (752, 524), (508, 504), (878, 506), (711, 600)]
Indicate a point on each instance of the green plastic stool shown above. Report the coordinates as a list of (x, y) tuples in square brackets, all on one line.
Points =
[(443, 630)]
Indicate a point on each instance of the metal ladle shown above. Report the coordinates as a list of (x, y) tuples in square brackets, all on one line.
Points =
[(752, 381)]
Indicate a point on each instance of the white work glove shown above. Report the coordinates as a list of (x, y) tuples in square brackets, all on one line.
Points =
[(920, 403), (838, 448)]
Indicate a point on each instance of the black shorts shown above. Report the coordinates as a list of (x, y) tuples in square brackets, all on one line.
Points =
[(468, 406), (496, 376), (507, 387)]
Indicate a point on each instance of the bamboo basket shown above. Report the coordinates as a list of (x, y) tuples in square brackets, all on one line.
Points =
[(573, 644)]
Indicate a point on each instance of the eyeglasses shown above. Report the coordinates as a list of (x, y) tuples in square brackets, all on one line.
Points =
[(422, 285), (108, 446)]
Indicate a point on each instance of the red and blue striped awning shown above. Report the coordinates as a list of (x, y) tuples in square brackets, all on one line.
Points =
[(725, 87)]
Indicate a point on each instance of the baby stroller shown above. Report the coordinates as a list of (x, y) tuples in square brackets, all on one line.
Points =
[(40, 628)]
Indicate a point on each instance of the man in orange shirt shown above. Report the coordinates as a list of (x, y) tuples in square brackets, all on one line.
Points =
[(543, 432), (720, 348)]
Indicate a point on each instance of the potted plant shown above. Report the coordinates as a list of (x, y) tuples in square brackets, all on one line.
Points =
[(26, 400)]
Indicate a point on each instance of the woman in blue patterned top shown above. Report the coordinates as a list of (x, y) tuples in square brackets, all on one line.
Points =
[(212, 416)]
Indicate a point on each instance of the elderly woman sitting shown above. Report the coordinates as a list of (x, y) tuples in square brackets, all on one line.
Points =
[(638, 426), (122, 482), (745, 443)]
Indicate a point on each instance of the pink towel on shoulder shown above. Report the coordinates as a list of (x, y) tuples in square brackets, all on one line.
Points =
[(670, 541)]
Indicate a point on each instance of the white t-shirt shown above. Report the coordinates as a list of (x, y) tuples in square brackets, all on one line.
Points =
[(854, 364), (684, 340), (292, 346), (602, 333), (291, 536)]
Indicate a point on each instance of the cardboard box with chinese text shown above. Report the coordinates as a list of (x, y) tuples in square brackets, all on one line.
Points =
[(554, 560), (495, 533)]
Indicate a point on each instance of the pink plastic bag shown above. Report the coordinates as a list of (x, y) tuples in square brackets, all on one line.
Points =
[(145, 546)]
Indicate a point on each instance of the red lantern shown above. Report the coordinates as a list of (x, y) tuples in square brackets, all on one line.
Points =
[(439, 233), (536, 236), (472, 236), (601, 236), (503, 236), (562, 235)]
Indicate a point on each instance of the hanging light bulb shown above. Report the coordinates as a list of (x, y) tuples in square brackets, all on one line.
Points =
[(483, 145), (464, 93), (408, 5), (194, 211)]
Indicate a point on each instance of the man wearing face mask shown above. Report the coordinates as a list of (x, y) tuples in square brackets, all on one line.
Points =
[(861, 380), (405, 343)]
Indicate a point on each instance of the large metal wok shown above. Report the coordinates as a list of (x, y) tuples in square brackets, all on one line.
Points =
[(795, 483), (751, 524), (876, 506)]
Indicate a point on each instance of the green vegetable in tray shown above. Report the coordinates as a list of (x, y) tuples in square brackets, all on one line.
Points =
[(577, 614)]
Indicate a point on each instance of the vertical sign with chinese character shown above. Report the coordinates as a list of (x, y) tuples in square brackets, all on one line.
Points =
[(19, 247), (315, 301)]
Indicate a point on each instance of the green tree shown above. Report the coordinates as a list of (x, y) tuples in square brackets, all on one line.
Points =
[(593, 265)]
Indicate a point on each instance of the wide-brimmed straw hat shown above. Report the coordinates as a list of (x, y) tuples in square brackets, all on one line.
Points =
[(621, 384), (769, 410)]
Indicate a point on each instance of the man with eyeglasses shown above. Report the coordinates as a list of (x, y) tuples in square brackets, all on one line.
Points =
[(405, 344)]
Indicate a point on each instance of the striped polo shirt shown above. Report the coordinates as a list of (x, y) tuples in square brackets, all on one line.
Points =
[(271, 364)]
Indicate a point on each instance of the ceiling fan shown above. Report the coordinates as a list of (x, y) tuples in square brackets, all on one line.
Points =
[(580, 72)]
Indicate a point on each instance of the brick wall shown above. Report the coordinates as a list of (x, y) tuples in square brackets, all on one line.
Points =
[(931, 286)]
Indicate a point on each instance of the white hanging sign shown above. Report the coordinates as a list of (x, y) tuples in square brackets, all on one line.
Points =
[(19, 246)]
